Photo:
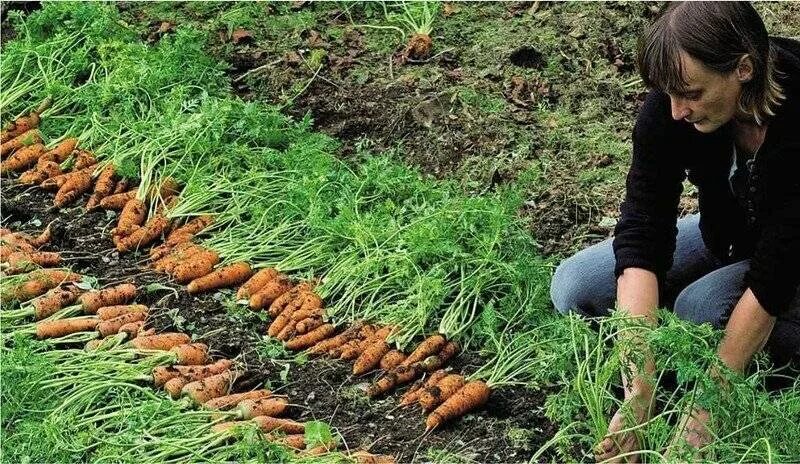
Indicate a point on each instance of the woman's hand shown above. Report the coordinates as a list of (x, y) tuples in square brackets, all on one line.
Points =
[(622, 438), (693, 432)]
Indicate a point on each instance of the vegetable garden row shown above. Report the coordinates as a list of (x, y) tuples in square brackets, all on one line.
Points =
[(363, 261)]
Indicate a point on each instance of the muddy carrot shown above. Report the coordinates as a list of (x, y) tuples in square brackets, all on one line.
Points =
[(189, 230), (73, 188), (296, 441), (274, 424), (112, 326), (309, 339), (40, 282), (162, 374), (191, 354), (412, 395), (116, 295), (44, 170), (435, 395), (196, 266), (399, 376), (392, 359), (307, 325), (136, 312), (62, 327), (21, 125), (43, 238), (256, 282), (117, 201), (164, 341), (208, 388), (371, 357), (355, 351), (177, 256), (145, 235), (22, 159), (174, 387), (362, 335), (228, 401), (131, 218), (26, 138), (287, 332), (103, 187), (53, 301), (279, 324), (472, 395), (272, 407), (84, 160), (437, 361), (270, 291), (61, 151), (54, 184), (334, 342), (131, 329), (428, 347), (283, 301), (223, 277), (21, 260)]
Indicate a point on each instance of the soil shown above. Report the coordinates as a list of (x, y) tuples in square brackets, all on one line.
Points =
[(320, 389)]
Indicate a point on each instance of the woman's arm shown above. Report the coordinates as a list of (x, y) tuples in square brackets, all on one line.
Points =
[(746, 333), (637, 295)]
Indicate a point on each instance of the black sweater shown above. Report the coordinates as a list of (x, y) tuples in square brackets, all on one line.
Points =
[(764, 227)]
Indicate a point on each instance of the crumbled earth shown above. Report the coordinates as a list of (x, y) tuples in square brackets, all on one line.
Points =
[(510, 429)]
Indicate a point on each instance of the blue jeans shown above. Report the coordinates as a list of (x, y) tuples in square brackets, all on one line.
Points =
[(699, 288)]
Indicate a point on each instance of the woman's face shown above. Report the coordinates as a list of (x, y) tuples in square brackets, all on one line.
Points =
[(710, 99)]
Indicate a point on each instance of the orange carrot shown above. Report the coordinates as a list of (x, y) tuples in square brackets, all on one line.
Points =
[(370, 357), (117, 201), (84, 160), (145, 235), (131, 329), (22, 140), (22, 159), (392, 359), (112, 326), (428, 347), (42, 238), (256, 282), (164, 341), (274, 424), (175, 386), (361, 336), (177, 256), (21, 260), (21, 125), (270, 291), (122, 186), (287, 332), (210, 387), (272, 407), (296, 441), (73, 188), (191, 354), (107, 313), (189, 230), (363, 457), (61, 151), (44, 170), (40, 282), (309, 339), (53, 301), (412, 395), (162, 374), (472, 395), (307, 325), (226, 402), (196, 266), (227, 276), (279, 324), (435, 395), (399, 376), (437, 361), (103, 187), (356, 349), (334, 342), (62, 327), (302, 314), (54, 184), (116, 295), (131, 218)]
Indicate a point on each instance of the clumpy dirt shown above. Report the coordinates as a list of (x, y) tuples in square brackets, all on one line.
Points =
[(319, 389)]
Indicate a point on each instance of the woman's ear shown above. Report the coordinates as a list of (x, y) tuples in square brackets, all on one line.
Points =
[(744, 70)]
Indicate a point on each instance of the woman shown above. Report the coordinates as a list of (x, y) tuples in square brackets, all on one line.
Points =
[(724, 110)]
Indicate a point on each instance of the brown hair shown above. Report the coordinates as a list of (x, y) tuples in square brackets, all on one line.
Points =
[(718, 34)]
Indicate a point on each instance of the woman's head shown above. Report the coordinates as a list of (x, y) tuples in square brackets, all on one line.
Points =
[(714, 61)]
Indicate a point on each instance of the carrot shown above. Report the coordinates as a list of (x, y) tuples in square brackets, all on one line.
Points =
[(54, 184), (307, 325), (363, 457), (370, 358), (162, 374), (334, 342), (143, 236), (428, 347), (22, 159), (136, 312), (435, 395), (196, 266), (131, 218), (161, 251), (42, 238), (84, 160), (392, 359), (122, 187), (61, 151), (112, 326), (279, 324), (296, 441), (223, 403), (361, 336), (472, 395), (163, 342), (62, 327), (175, 386), (53, 301), (21, 125), (309, 339), (21, 260), (40, 282), (189, 230), (227, 276), (287, 332), (191, 354), (174, 256), (44, 170), (354, 351), (431, 363), (256, 282), (169, 187), (73, 188), (272, 424), (131, 329), (117, 201), (272, 407), (272, 290), (22, 140), (412, 395), (399, 376), (116, 295), (210, 387)]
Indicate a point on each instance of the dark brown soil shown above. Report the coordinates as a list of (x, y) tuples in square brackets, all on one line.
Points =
[(321, 389)]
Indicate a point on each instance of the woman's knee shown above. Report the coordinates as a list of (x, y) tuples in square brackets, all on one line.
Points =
[(584, 283), (712, 297)]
